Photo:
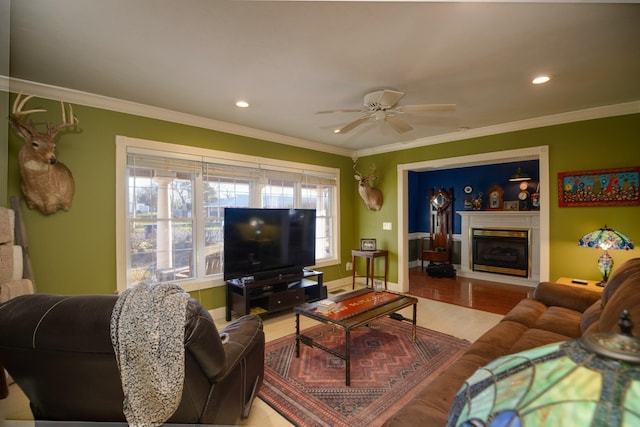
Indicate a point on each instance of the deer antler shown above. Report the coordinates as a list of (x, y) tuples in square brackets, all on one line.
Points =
[(355, 169), (19, 105), (374, 169), (17, 117), (73, 120), (18, 114), (372, 174)]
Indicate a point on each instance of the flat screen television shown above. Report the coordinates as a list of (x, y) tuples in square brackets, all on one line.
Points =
[(265, 243)]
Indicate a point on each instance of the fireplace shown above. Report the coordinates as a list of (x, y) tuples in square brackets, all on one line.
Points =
[(501, 251), (521, 221)]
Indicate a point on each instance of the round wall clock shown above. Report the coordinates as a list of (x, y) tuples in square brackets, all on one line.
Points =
[(523, 195), (524, 185)]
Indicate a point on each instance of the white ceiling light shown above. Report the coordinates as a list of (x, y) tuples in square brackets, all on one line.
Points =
[(242, 104), (540, 80)]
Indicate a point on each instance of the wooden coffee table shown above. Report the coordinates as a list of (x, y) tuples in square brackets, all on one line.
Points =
[(354, 309)]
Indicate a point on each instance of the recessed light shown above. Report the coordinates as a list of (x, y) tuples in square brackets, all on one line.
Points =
[(242, 104), (540, 80)]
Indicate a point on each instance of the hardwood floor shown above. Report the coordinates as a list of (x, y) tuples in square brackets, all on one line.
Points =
[(482, 295)]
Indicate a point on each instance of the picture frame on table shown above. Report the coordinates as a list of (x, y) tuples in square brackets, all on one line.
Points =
[(368, 244), (601, 187)]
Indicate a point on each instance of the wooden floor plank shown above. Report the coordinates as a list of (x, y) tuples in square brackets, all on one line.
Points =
[(482, 295)]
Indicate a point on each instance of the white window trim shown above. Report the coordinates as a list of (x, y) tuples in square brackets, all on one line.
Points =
[(126, 144)]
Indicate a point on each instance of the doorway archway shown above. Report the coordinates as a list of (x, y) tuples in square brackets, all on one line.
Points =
[(540, 153)]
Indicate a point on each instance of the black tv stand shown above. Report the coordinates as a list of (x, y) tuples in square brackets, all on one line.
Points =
[(283, 273), (248, 295)]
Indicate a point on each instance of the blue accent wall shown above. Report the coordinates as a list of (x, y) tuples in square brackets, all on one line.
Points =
[(478, 177)]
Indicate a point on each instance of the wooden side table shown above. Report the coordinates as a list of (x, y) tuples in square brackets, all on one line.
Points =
[(370, 269), (590, 285)]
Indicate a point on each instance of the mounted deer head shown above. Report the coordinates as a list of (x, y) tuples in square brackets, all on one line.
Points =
[(46, 183), (372, 196)]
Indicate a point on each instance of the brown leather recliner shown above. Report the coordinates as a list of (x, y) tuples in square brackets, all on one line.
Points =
[(59, 351)]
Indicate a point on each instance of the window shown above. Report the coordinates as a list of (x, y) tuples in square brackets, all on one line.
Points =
[(171, 202)]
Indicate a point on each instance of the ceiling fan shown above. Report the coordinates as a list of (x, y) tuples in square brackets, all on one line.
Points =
[(381, 105)]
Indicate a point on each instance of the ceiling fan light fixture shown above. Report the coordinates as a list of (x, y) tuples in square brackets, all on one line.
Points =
[(541, 80), (382, 106)]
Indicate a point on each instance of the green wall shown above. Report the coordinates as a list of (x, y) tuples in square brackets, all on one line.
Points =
[(74, 252), (594, 144)]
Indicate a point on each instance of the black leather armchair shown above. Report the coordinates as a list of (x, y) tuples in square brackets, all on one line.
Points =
[(58, 350)]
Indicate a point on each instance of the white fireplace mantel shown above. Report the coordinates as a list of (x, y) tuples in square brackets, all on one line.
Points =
[(529, 220)]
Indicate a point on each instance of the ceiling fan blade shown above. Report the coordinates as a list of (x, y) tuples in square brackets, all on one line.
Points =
[(398, 124), (389, 97), (425, 107), (348, 110), (353, 124)]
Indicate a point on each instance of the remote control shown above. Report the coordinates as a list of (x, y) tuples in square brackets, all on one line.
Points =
[(579, 281)]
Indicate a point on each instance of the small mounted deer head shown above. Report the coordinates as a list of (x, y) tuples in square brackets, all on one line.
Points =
[(46, 183), (372, 196)]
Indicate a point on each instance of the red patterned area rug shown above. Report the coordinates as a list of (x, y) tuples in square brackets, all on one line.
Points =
[(387, 370)]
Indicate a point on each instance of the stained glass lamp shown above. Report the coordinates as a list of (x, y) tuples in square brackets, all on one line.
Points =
[(605, 238), (593, 381)]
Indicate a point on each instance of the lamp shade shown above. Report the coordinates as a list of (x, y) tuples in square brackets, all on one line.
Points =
[(520, 175), (605, 238), (562, 384)]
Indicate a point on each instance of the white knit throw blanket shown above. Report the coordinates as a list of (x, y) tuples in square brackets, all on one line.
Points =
[(147, 333)]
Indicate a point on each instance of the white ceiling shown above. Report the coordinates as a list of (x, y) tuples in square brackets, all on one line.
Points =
[(293, 59)]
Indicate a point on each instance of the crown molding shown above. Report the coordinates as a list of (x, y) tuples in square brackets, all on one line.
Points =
[(119, 105), (113, 104), (536, 122)]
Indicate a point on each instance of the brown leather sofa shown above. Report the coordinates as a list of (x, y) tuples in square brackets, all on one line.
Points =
[(59, 351), (555, 313)]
